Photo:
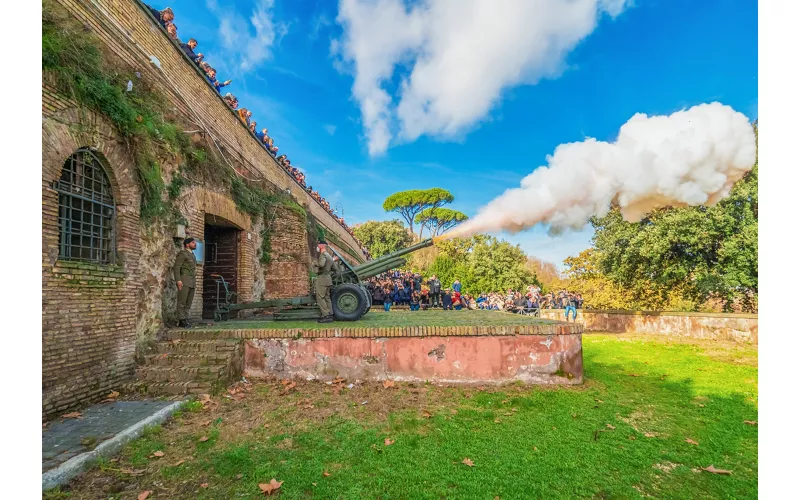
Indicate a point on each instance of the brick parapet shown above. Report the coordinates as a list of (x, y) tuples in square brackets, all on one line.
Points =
[(356, 332)]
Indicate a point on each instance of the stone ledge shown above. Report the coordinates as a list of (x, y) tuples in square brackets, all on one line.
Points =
[(410, 331)]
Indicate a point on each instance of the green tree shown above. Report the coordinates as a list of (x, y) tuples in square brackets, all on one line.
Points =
[(482, 264), (707, 253), (438, 220), (382, 237), (410, 203)]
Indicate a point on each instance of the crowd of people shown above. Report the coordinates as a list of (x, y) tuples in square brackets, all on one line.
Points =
[(167, 19), (398, 287)]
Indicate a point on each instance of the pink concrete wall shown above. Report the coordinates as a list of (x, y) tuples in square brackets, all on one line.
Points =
[(539, 359), (718, 326)]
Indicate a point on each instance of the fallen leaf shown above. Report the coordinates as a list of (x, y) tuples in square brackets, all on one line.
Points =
[(453, 412), (113, 395), (508, 414), (714, 470), (139, 119), (468, 462), (751, 422), (272, 486), (266, 426), (610, 426), (326, 473), (701, 405), (204, 439), (692, 441), (599, 401), (157, 454), (649, 434), (314, 484), (503, 401), (497, 420), (387, 384), (204, 485), (144, 495), (388, 442), (426, 414), (514, 410), (632, 438), (239, 476), (74, 414), (206, 423), (634, 375)]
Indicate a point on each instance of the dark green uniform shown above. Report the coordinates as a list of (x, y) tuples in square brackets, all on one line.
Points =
[(183, 271), (323, 284)]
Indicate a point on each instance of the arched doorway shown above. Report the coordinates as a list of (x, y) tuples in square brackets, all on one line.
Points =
[(222, 239)]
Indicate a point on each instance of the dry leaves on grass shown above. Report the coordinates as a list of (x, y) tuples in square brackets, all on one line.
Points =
[(714, 470), (650, 434), (497, 420), (203, 439), (132, 472), (388, 442), (692, 441), (157, 454), (326, 473), (387, 384), (112, 397), (207, 402), (271, 487), (180, 462), (74, 414), (204, 485), (143, 495), (751, 422), (610, 426), (426, 414), (468, 462)]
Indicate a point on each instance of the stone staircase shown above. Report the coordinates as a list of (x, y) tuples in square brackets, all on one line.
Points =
[(182, 365)]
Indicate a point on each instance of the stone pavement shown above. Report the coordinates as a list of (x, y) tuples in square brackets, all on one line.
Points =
[(62, 439)]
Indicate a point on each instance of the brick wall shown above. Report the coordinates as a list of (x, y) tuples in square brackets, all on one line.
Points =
[(88, 311), (286, 275), (93, 315), (131, 34), (716, 326)]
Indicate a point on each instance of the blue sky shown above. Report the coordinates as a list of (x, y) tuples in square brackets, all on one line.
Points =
[(294, 64)]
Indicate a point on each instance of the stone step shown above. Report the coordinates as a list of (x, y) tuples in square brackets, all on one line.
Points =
[(194, 359), (167, 388), (198, 346), (180, 373)]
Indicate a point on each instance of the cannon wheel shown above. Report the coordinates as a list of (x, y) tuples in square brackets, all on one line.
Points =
[(369, 299), (349, 302)]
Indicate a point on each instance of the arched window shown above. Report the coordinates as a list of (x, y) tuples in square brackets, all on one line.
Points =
[(86, 216)]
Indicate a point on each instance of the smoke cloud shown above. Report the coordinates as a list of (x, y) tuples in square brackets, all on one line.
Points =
[(689, 158)]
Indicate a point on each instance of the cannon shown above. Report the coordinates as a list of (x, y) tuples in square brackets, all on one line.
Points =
[(349, 295)]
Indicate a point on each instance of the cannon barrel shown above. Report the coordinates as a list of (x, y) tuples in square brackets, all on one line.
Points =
[(388, 261)]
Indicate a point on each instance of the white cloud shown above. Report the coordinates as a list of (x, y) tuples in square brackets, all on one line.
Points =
[(248, 42), (452, 58), (330, 129)]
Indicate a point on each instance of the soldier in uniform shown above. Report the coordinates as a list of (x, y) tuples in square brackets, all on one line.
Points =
[(183, 272), (323, 284)]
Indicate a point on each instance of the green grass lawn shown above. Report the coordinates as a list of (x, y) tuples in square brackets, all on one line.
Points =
[(620, 435), (381, 319)]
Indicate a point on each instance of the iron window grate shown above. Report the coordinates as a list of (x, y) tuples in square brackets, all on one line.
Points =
[(86, 210)]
